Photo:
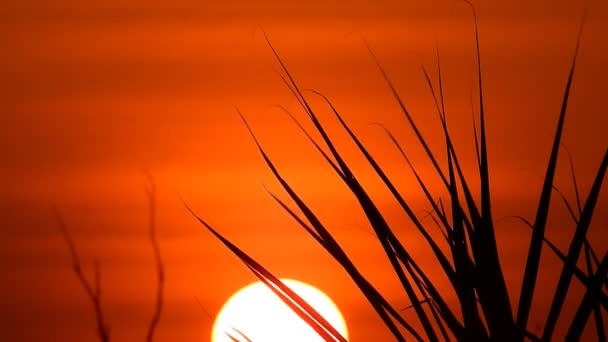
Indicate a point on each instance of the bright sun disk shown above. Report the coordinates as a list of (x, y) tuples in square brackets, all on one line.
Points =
[(259, 314)]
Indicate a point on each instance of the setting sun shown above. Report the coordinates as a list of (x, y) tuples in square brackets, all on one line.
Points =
[(255, 312), (418, 170)]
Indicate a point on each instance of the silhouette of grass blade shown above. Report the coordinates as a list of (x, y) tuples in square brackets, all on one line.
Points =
[(574, 250), (375, 218), (241, 334), (409, 118), (465, 289), (383, 231), (588, 302), (435, 248), (442, 117), (573, 215), (464, 267), (475, 135), (327, 241), (399, 250), (440, 214), (597, 312), (576, 271), (536, 242), (574, 182), (385, 236), (492, 290), (232, 337), (314, 143), (298, 305)]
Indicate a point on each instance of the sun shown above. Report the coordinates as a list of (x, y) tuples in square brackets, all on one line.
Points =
[(256, 312)]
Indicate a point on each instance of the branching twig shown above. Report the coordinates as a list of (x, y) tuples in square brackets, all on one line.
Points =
[(93, 292)]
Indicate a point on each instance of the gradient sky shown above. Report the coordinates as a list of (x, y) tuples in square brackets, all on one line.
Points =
[(94, 93)]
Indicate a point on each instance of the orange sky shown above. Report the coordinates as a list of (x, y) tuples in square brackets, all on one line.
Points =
[(93, 93)]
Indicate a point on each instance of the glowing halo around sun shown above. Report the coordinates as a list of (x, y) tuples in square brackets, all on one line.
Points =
[(259, 314)]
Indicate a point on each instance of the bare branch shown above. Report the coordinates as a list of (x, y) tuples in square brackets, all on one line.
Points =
[(160, 269), (93, 292)]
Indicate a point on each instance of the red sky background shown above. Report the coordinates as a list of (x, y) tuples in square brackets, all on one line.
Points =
[(94, 93)]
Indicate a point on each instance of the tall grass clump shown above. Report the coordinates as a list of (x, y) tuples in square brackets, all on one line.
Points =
[(470, 262)]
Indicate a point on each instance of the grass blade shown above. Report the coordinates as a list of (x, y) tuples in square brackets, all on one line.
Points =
[(574, 250), (493, 290), (240, 333), (409, 118), (533, 260), (436, 250), (597, 312), (588, 302), (319, 233), (288, 296), (580, 275), (380, 305), (383, 232)]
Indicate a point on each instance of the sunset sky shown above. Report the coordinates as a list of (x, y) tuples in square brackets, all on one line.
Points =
[(94, 93)]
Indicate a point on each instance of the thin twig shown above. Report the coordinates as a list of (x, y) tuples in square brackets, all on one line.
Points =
[(93, 292), (160, 270)]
